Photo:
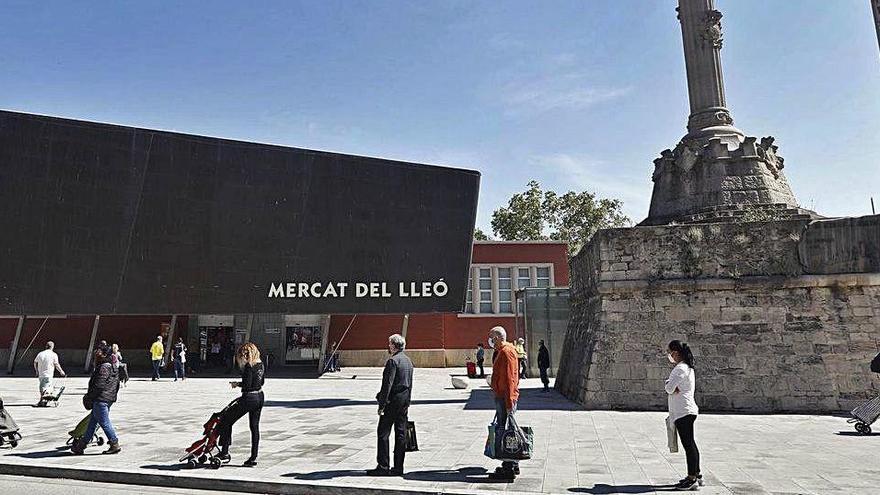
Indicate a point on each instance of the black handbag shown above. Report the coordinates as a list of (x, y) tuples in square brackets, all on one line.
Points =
[(87, 402), (412, 442), (516, 443)]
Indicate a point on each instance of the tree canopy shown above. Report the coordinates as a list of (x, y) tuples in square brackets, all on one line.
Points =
[(573, 217)]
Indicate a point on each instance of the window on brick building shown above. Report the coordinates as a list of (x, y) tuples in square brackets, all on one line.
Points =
[(543, 277), (495, 285), (505, 291), (523, 278), (485, 285)]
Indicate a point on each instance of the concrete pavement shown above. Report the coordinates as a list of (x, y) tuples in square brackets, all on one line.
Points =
[(318, 436)]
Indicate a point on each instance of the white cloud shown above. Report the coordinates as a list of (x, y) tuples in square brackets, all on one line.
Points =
[(561, 91), (607, 180)]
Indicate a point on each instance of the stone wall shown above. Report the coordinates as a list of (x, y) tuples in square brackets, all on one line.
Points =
[(767, 335)]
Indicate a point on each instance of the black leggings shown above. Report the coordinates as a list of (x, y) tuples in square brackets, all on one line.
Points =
[(252, 405), (685, 428)]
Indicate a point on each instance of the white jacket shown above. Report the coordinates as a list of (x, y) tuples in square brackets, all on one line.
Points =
[(681, 403)]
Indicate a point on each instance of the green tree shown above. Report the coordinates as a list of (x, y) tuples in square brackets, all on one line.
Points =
[(479, 235), (545, 215)]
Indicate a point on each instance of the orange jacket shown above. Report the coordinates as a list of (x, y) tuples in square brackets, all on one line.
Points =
[(505, 374)]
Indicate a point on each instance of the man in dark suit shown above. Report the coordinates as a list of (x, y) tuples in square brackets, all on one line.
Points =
[(393, 401)]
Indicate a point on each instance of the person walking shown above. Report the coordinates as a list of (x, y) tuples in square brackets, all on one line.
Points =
[(118, 364), (157, 350), (394, 400), (179, 352), (481, 356), (45, 365), (683, 409), (521, 357), (253, 375), (544, 364), (101, 394), (505, 385)]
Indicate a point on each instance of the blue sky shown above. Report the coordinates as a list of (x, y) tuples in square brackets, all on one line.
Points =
[(576, 94)]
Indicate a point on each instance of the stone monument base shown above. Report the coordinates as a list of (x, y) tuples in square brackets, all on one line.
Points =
[(782, 315)]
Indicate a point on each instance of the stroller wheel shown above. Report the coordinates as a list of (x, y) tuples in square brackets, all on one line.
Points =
[(215, 463), (14, 444), (191, 463), (203, 459), (863, 428), (100, 441)]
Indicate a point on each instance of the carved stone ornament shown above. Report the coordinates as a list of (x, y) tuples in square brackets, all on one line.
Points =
[(702, 120), (767, 152), (712, 31), (685, 158)]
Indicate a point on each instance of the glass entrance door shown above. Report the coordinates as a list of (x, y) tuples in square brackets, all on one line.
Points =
[(303, 344)]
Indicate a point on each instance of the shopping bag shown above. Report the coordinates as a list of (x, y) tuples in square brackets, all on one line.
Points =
[(412, 442), (516, 444), (489, 450), (671, 435)]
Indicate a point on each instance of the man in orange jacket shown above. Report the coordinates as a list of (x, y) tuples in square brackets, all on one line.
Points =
[(505, 384)]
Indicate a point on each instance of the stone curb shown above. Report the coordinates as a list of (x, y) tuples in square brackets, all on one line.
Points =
[(130, 477)]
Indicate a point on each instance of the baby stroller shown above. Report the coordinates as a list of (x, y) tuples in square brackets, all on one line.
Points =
[(8, 428), (204, 450), (77, 433)]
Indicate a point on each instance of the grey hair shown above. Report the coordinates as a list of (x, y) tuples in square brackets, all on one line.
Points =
[(499, 332), (397, 341)]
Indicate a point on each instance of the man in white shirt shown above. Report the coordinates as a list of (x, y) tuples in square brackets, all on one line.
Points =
[(45, 365)]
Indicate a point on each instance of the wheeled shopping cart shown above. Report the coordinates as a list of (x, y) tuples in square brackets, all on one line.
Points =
[(865, 415)]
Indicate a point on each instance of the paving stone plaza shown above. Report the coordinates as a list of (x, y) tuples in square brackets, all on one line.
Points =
[(318, 436)]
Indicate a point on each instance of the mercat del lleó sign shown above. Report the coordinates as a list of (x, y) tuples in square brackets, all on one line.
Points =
[(106, 219)]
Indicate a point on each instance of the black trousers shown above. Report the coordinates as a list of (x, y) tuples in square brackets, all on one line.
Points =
[(480, 365), (394, 418), (544, 378), (252, 405), (685, 428)]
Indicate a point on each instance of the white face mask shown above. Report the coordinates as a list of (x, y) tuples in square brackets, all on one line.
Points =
[(669, 357)]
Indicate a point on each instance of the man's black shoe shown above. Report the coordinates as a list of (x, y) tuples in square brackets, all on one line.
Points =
[(395, 472), (379, 472), (502, 475)]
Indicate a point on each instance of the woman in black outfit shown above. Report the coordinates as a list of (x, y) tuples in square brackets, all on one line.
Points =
[(250, 403)]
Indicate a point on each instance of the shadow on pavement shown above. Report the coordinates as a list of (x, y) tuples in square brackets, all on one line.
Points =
[(461, 475), (58, 452), (530, 399), (326, 475), (856, 434), (169, 467), (612, 489), (325, 403)]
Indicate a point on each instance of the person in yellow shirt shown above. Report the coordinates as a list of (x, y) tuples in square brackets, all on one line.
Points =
[(521, 357), (157, 350)]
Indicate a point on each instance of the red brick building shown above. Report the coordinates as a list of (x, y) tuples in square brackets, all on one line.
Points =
[(445, 339), (442, 339)]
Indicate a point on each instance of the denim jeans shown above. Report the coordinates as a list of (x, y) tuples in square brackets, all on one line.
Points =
[(500, 426), (179, 369), (157, 364), (100, 416)]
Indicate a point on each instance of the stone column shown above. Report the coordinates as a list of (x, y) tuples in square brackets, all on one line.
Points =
[(701, 36)]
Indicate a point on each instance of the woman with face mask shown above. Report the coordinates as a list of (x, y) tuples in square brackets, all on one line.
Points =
[(683, 409)]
